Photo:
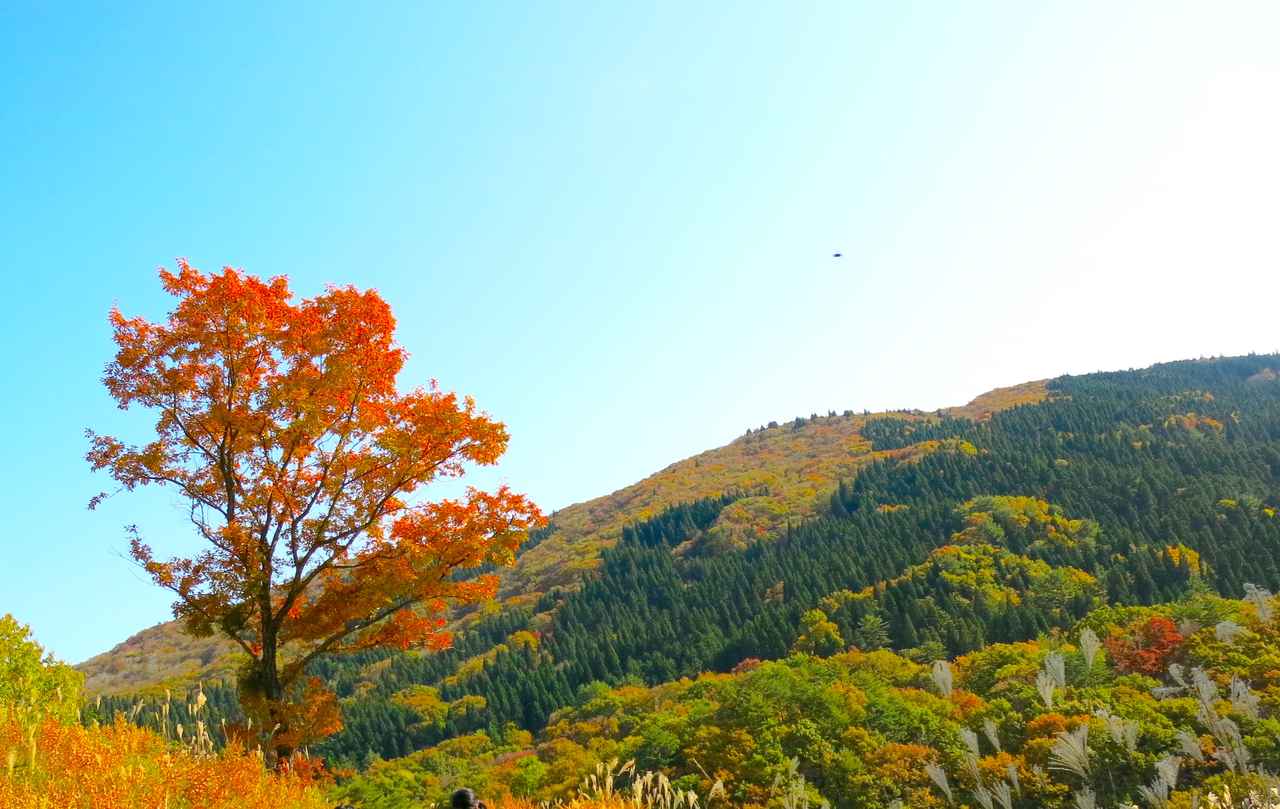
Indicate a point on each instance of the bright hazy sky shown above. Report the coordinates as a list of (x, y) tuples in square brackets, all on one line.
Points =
[(615, 227)]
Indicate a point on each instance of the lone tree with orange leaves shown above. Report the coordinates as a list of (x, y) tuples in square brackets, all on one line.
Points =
[(280, 424)]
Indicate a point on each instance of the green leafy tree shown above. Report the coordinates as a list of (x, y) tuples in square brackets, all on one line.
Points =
[(529, 777), (32, 683)]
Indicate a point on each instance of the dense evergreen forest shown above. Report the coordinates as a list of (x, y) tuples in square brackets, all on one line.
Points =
[(1128, 488)]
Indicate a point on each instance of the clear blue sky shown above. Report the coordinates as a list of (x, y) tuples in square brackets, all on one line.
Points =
[(614, 226)]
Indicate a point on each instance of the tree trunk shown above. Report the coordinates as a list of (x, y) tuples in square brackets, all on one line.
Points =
[(273, 690)]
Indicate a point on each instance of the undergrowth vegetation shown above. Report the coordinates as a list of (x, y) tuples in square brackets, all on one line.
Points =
[(50, 761)]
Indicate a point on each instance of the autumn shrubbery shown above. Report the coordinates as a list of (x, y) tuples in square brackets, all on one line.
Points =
[(49, 761), (55, 765)]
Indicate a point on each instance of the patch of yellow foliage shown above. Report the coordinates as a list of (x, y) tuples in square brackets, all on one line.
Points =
[(1179, 551), (992, 518)]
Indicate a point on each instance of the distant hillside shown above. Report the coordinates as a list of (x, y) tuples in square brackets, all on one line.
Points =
[(159, 657), (787, 470)]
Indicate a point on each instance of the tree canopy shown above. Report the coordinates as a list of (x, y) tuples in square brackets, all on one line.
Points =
[(281, 424)]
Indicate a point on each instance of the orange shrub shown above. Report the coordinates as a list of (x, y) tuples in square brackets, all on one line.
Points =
[(1049, 725), (967, 703)]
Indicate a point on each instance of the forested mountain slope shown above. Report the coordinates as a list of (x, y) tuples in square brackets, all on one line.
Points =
[(780, 469)]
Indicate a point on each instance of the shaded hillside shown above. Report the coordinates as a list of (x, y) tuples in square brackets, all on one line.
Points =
[(787, 471)]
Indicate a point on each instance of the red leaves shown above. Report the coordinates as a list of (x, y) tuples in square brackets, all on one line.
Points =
[(281, 423), (1146, 647)]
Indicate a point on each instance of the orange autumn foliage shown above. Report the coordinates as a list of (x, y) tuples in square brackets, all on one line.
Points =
[(968, 704), (127, 767), (1049, 725), (281, 425)]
